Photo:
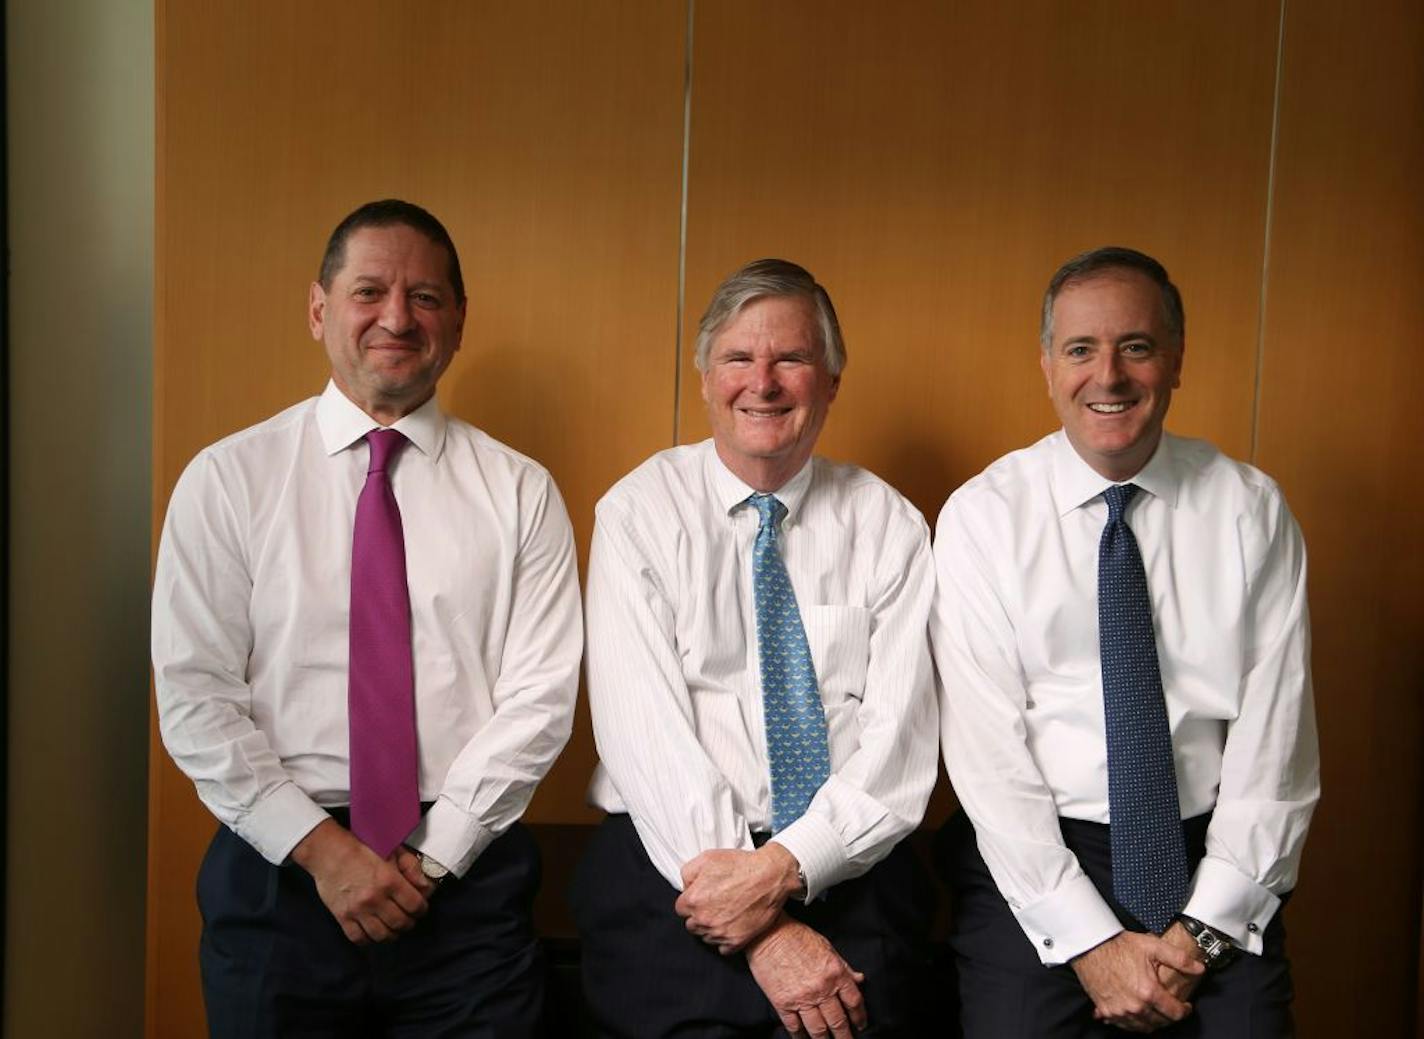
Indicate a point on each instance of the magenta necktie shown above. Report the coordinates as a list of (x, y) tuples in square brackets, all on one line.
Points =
[(380, 697)]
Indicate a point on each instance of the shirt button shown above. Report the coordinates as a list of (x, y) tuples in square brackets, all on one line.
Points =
[(1048, 943), (1252, 928), (1028, 705)]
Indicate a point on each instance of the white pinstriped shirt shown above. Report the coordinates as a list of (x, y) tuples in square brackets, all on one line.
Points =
[(673, 675)]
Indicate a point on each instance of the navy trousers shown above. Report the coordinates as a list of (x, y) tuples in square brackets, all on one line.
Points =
[(1007, 993), (646, 977), (276, 963)]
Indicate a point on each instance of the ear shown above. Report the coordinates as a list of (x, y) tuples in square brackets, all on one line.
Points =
[(835, 388), (316, 310), (1177, 365), (460, 324), (705, 398), (1046, 366)]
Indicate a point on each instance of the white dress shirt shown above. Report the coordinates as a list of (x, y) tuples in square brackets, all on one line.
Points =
[(250, 639), (1015, 633), (673, 674)]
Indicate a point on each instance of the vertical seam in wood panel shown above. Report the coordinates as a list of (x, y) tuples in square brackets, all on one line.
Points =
[(682, 230), (1266, 246)]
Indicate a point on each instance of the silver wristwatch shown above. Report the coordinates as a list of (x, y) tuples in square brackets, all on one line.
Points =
[(1217, 950), (434, 872)]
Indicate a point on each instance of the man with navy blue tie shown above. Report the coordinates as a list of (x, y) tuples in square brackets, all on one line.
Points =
[(1122, 640), (762, 699)]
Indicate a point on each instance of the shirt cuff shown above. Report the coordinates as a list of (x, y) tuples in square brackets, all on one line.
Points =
[(818, 850), (1227, 900), (1070, 921), (279, 822), (450, 836)]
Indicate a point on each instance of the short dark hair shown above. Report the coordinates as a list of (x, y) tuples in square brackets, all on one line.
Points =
[(1113, 258), (389, 212), (762, 279)]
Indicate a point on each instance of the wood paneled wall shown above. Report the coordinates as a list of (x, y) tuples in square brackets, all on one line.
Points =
[(931, 163)]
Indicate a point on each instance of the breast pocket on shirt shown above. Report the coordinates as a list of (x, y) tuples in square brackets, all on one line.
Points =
[(839, 637)]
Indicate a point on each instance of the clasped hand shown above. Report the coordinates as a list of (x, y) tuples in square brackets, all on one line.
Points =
[(373, 899), (730, 897), (1139, 982)]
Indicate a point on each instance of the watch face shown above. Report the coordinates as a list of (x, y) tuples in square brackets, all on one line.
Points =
[(432, 869)]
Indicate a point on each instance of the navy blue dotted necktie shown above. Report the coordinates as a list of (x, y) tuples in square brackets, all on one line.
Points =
[(796, 745), (1149, 860)]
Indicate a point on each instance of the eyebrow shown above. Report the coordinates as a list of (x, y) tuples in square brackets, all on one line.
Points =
[(1135, 334)]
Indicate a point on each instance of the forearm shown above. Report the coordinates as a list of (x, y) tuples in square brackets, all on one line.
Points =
[(679, 801)]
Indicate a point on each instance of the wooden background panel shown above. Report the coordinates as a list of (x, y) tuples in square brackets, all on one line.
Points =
[(1341, 428), (932, 164), (546, 136)]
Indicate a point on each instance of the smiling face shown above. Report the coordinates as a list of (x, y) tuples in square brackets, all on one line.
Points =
[(390, 320), (1111, 369), (767, 390)]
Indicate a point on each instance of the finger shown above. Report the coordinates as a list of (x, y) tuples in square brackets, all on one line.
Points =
[(1178, 959), (353, 932), (406, 898), (836, 1019), (690, 869), (394, 918), (791, 1022), (813, 1022), (683, 907), (854, 1004), (374, 929), (1172, 1009)]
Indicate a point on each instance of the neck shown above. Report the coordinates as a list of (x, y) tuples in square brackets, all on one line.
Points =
[(384, 410), (1119, 468), (765, 475)]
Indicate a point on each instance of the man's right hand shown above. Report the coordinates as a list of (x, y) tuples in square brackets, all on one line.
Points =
[(1120, 976), (369, 896), (809, 986)]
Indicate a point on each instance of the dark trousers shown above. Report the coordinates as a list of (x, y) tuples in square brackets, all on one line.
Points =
[(276, 963), (646, 977), (1007, 993)]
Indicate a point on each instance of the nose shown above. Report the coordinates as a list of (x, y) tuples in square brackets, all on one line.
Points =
[(763, 380), (1109, 369), (396, 314)]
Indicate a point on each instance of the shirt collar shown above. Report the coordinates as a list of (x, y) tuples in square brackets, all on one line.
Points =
[(1075, 482), (342, 423), (731, 492)]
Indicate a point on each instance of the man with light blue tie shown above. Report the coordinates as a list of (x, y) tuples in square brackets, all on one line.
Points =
[(762, 700), (1122, 641)]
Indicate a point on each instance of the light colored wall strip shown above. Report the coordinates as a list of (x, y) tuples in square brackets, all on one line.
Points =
[(682, 230), (1266, 249)]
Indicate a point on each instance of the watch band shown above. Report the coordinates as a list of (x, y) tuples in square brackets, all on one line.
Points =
[(1217, 949)]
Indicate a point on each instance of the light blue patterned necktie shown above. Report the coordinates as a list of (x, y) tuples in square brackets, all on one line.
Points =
[(791, 702), (1149, 861)]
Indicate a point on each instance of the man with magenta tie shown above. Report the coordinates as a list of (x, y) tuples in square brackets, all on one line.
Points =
[(1122, 638), (366, 638), (762, 699)]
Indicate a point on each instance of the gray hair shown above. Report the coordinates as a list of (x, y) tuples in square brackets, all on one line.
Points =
[(1113, 258), (759, 280)]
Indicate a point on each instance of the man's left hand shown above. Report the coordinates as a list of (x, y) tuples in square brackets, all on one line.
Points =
[(1174, 981), (811, 988), (731, 897)]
